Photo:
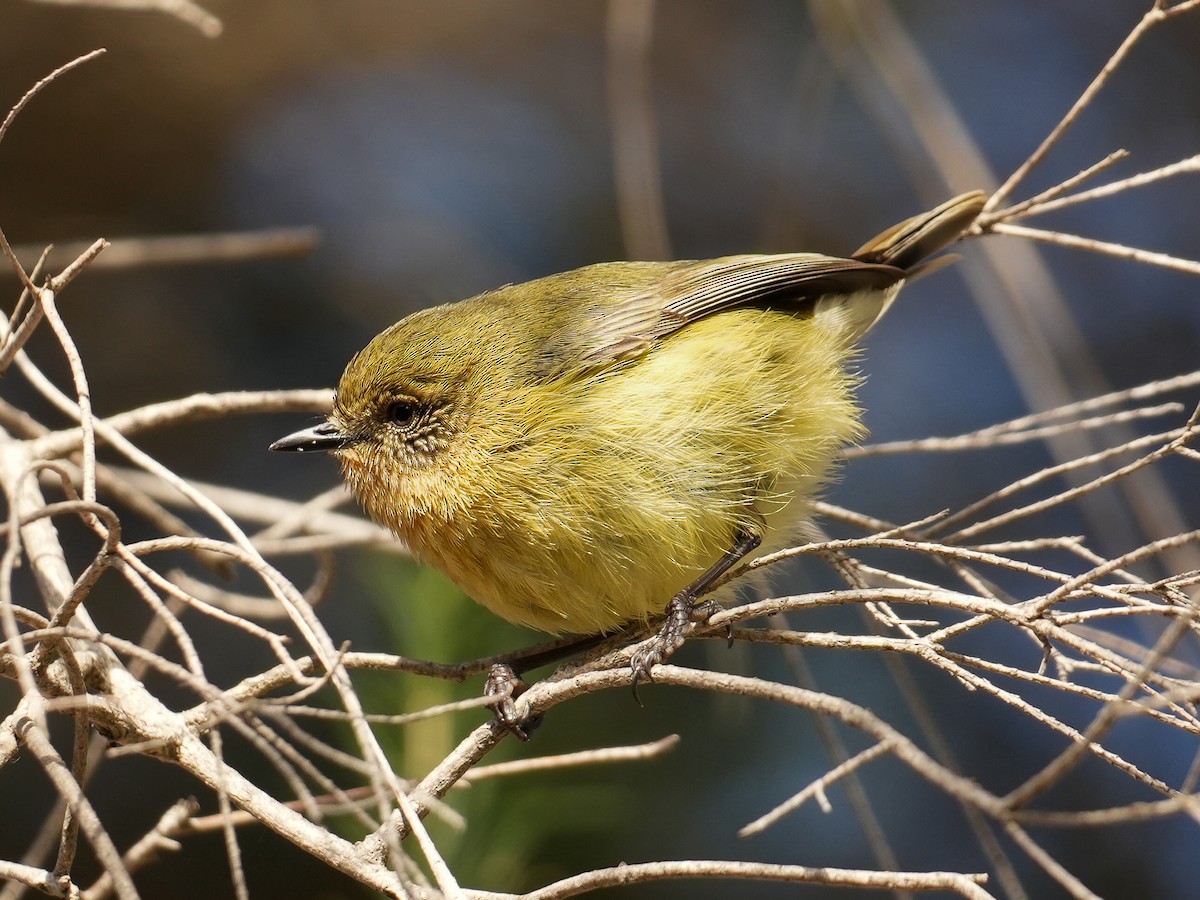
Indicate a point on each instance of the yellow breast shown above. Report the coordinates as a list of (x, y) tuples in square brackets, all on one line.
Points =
[(628, 484)]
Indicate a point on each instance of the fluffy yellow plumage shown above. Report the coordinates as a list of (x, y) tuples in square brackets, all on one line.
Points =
[(577, 450)]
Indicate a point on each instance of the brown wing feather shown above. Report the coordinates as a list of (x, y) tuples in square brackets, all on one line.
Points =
[(695, 290), (630, 323)]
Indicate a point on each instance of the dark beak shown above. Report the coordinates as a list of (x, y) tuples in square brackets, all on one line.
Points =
[(320, 438)]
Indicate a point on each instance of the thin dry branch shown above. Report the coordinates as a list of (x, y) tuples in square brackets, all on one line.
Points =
[(1134, 254), (634, 132), (5, 246), (184, 10), (815, 790), (935, 603), (646, 873), (1047, 202), (191, 249), (1159, 12)]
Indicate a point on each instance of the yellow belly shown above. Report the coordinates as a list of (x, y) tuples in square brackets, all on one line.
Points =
[(629, 484)]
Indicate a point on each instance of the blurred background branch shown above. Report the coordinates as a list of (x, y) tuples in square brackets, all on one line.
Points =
[(998, 629)]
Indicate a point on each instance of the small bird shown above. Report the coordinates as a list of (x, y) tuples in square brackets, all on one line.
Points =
[(598, 447)]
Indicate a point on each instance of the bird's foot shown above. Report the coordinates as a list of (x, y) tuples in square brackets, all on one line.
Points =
[(504, 686), (681, 612)]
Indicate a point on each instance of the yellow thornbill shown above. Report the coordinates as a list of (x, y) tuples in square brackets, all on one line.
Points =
[(591, 448)]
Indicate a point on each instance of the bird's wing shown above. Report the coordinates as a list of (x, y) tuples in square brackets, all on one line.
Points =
[(653, 300), (691, 291)]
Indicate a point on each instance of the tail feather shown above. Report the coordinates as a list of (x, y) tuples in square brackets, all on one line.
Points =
[(905, 245)]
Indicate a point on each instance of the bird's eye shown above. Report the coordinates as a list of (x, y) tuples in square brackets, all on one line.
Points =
[(401, 412)]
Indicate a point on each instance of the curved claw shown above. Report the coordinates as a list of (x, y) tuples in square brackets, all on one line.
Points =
[(669, 639), (504, 685), (683, 610), (642, 664)]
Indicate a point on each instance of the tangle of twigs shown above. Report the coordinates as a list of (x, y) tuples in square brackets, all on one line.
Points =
[(64, 666)]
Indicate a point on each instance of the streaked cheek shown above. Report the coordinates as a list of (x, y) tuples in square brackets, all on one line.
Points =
[(362, 470), (352, 463)]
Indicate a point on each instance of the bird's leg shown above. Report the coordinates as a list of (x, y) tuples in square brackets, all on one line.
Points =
[(505, 684), (684, 608)]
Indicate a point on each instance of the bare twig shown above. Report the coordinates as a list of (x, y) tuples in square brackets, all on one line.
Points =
[(635, 143), (81, 808), (174, 250), (964, 885), (1033, 617), (184, 10), (1134, 254), (7, 123), (1159, 12), (603, 756)]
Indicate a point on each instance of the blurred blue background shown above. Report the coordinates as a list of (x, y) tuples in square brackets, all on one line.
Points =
[(445, 148)]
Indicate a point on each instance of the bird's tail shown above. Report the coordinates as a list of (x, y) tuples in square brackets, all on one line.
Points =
[(907, 245)]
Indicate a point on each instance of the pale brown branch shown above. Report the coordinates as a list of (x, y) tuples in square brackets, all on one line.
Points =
[(634, 135), (184, 10), (643, 873), (1159, 12), (153, 844), (196, 408), (993, 438), (81, 808), (47, 882), (22, 323), (192, 249), (1061, 764), (1135, 254), (601, 756), (814, 790), (1073, 886), (1018, 209), (5, 246), (1184, 166)]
